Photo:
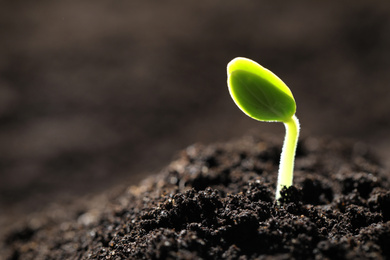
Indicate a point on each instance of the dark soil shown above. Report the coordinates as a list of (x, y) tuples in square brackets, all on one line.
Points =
[(217, 202)]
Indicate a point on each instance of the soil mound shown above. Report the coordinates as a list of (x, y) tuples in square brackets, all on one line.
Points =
[(217, 202)]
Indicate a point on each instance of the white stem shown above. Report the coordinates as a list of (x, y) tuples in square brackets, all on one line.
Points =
[(286, 165)]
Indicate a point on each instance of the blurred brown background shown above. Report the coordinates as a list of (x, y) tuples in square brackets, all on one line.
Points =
[(96, 93)]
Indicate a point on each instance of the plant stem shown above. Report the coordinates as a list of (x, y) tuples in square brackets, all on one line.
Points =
[(286, 165)]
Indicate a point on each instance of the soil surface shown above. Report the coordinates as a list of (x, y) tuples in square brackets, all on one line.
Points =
[(217, 202)]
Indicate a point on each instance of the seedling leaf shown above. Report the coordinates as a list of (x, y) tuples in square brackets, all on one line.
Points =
[(258, 92)]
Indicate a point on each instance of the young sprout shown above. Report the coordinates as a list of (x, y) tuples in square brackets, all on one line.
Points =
[(261, 95)]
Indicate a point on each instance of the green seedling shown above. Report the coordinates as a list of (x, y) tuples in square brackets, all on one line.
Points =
[(261, 95)]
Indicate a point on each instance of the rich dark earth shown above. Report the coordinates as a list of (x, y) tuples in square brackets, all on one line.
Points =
[(217, 202)]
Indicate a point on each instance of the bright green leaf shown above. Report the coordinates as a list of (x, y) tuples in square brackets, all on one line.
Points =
[(258, 92)]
